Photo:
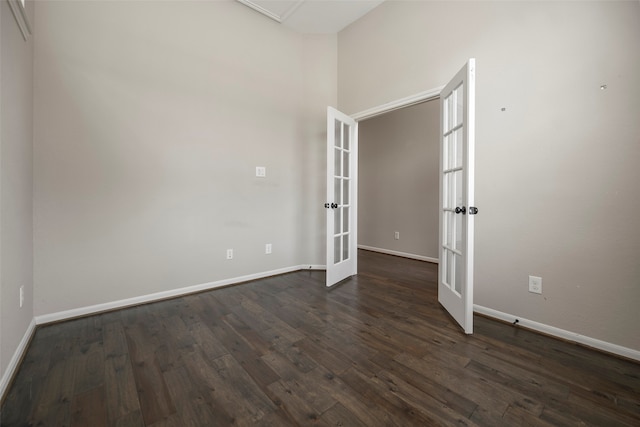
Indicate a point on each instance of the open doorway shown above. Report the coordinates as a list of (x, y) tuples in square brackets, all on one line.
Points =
[(398, 176), (456, 189)]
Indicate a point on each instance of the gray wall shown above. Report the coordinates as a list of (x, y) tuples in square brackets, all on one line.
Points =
[(150, 120), (398, 180), (557, 172), (16, 224)]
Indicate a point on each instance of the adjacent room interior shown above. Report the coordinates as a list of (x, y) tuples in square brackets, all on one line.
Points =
[(398, 182)]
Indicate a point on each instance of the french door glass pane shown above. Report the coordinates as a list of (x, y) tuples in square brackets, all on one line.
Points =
[(457, 286), (451, 151), (345, 247), (345, 191), (448, 228), (337, 162), (458, 189), (458, 136), (445, 190), (450, 115), (337, 249), (345, 220), (449, 269), (345, 164), (445, 114), (338, 134), (445, 152), (337, 227), (451, 196), (347, 134), (459, 94), (458, 232)]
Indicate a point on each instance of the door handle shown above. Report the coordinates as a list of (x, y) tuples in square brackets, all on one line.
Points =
[(326, 206), (473, 210), (461, 210), (334, 205)]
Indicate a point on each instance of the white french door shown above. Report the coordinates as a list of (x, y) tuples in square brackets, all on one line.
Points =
[(341, 206), (457, 210)]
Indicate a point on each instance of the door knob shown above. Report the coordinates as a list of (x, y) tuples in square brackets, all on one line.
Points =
[(334, 205), (461, 210), (473, 210)]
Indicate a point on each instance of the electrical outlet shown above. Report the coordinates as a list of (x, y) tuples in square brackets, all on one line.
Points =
[(261, 171), (535, 284), (229, 253), (396, 235), (21, 296), (267, 248)]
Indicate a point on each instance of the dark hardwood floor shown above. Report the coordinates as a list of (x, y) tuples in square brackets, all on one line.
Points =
[(377, 350)]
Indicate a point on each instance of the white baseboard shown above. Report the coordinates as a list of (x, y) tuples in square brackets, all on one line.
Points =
[(560, 333), (98, 308), (402, 254), (15, 360)]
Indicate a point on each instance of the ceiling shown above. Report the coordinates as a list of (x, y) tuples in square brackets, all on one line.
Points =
[(313, 16)]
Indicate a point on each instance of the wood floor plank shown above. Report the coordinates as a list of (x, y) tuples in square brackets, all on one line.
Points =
[(379, 394), (245, 354), (88, 408), (207, 341), (296, 407), (232, 388), (58, 384), (120, 387), (194, 404), (90, 368), (520, 417), (324, 356), (338, 415), (56, 414), (457, 401), (132, 419), (275, 324), (155, 401), (423, 402), (376, 350), (459, 381)]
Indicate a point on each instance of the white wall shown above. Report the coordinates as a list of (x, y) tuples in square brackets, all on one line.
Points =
[(150, 120), (398, 161), (556, 173), (16, 225)]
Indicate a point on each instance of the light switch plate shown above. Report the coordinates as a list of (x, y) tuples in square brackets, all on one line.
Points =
[(535, 284)]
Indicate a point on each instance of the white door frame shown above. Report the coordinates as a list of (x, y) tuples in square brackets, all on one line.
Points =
[(427, 95), (408, 101)]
